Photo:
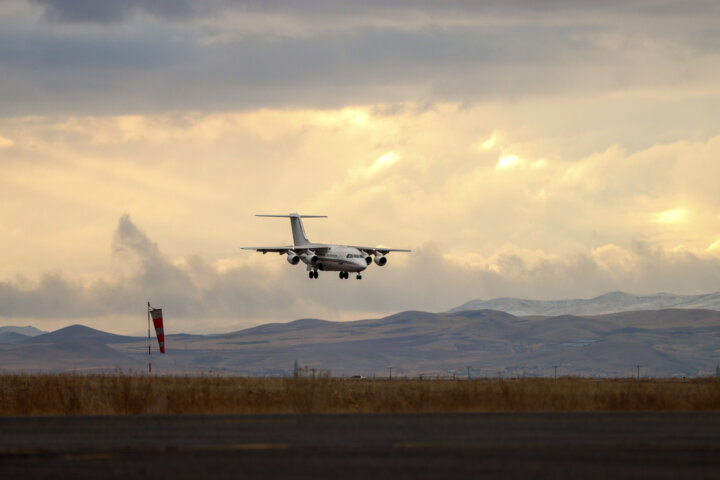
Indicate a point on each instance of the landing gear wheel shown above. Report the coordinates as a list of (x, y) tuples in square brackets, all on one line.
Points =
[(316, 274), (311, 275), (359, 277)]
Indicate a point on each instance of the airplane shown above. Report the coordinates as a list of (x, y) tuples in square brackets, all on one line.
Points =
[(325, 257)]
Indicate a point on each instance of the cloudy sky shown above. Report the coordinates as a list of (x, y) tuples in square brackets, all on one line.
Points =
[(532, 149)]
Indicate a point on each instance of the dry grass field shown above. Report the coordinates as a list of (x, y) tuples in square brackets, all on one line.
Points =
[(122, 394)]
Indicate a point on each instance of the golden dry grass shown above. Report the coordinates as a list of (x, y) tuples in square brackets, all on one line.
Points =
[(121, 394)]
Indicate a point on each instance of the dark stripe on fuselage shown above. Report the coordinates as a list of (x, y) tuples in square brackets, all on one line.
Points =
[(336, 264)]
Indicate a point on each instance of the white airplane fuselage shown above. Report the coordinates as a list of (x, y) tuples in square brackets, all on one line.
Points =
[(338, 258)]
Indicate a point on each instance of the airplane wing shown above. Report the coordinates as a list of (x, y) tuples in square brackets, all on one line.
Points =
[(382, 250), (264, 250), (315, 247)]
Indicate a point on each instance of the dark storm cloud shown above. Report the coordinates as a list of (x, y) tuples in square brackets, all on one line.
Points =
[(102, 57), (90, 11), (116, 11), (110, 52), (153, 71)]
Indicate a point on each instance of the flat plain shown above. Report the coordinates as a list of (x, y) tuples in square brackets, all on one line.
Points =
[(315, 392)]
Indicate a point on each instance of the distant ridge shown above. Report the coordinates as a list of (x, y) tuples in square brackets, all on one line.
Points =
[(295, 325), (80, 333), (612, 302), (28, 331)]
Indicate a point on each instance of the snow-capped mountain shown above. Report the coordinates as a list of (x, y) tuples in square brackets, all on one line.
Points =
[(609, 303)]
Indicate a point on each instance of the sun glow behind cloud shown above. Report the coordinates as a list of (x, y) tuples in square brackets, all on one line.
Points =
[(510, 161), (676, 215), (385, 161), (490, 142)]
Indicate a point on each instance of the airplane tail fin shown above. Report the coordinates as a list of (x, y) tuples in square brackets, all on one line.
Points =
[(298, 231)]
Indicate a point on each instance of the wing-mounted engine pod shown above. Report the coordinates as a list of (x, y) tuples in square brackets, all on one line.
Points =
[(380, 259), (368, 259), (309, 257), (292, 258)]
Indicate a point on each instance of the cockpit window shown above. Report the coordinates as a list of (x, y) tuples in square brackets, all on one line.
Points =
[(353, 255)]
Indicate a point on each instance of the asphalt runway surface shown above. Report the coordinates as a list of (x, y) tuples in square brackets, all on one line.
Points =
[(376, 446)]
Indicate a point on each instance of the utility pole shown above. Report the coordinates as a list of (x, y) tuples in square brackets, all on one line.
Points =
[(556, 367), (390, 374), (468, 369), (149, 357), (638, 371)]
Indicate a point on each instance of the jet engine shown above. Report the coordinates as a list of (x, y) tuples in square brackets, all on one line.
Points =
[(309, 258), (380, 259), (292, 258)]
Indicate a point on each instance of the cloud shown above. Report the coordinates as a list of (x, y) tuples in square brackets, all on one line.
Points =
[(198, 294), (580, 226), (133, 56), (386, 12), (118, 11), (75, 174), (554, 150)]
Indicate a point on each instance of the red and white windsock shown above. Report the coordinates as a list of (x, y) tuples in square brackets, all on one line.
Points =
[(157, 319)]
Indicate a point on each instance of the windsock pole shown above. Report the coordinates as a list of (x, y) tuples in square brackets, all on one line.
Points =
[(149, 357)]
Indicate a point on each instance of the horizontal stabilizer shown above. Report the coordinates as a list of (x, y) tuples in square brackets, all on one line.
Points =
[(294, 215)]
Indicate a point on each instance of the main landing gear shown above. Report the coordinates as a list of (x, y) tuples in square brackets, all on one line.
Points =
[(313, 274), (346, 275)]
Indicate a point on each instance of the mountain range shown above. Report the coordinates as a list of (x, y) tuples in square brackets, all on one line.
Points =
[(670, 342), (612, 302), (18, 334)]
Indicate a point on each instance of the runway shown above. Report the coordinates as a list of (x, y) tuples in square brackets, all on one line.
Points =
[(377, 446)]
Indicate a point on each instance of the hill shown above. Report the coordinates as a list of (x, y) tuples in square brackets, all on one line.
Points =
[(12, 337), (80, 333), (76, 356)]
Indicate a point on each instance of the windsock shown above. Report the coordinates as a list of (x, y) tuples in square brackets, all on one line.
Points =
[(157, 319)]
